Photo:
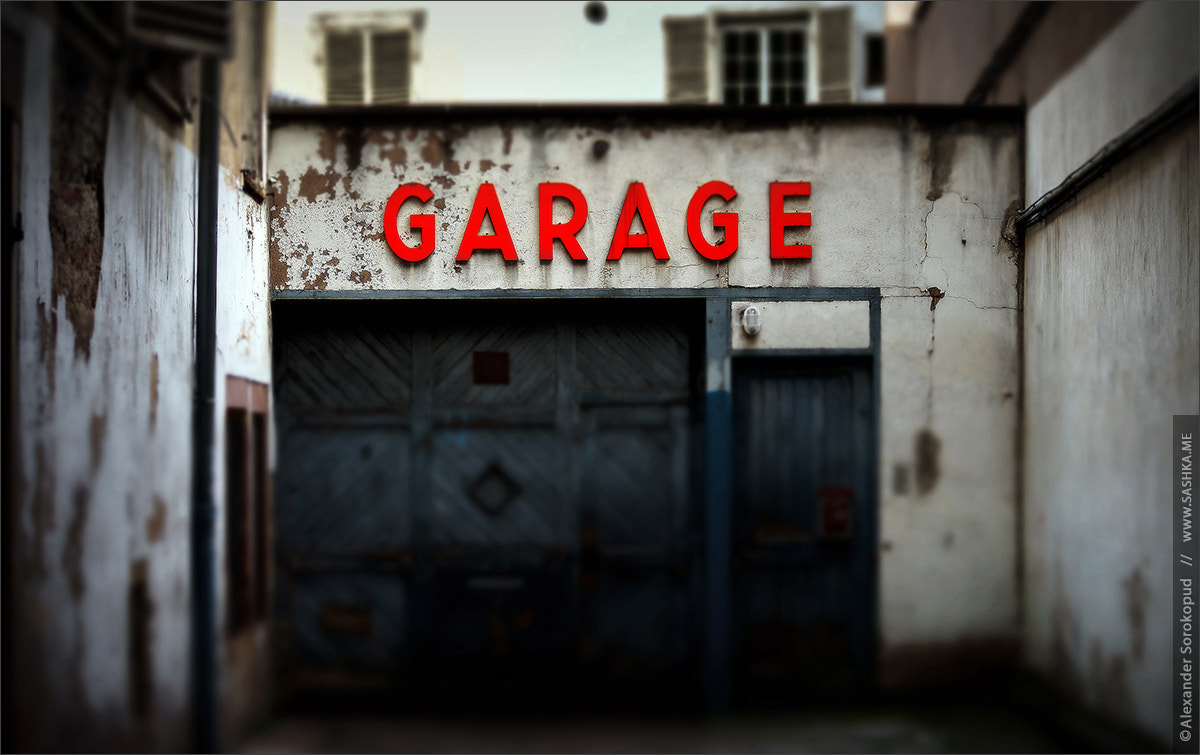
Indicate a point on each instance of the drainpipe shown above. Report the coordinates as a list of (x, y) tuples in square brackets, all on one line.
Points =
[(204, 511)]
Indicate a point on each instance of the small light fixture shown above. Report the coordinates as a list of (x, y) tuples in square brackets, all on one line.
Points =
[(751, 320)]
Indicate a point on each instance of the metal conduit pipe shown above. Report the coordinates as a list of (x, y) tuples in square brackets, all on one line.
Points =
[(205, 724)]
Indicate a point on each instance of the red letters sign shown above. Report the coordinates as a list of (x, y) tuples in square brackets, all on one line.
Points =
[(637, 204)]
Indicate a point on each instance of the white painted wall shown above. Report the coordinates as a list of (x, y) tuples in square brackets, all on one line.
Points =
[(105, 440), (881, 217), (1112, 351), (802, 325)]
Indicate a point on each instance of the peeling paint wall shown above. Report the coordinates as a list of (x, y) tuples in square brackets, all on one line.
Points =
[(105, 309), (921, 210), (873, 191), (1112, 307), (105, 342)]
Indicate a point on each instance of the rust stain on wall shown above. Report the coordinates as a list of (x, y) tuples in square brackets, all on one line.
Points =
[(508, 137), (353, 138), (389, 149), (439, 150), (927, 452), (281, 190), (72, 555), (96, 436), (942, 146), (278, 270), (327, 146), (935, 295), (313, 184), (1010, 238), (486, 165), (317, 283), (1137, 594), (78, 140), (157, 523)]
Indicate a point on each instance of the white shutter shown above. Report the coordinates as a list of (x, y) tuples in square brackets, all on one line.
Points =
[(835, 48), (685, 44)]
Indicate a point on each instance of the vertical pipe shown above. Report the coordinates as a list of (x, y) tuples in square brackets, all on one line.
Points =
[(718, 501), (204, 571)]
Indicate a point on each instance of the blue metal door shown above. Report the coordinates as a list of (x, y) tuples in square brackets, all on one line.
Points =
[(804, 528), (473, 492)]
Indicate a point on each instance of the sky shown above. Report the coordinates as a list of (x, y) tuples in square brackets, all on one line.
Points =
[(518, 51)]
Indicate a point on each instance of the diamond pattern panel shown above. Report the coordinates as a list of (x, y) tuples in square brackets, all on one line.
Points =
[(530, 457)]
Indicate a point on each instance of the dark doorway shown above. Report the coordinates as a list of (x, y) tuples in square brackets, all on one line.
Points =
[(804, 529), (490, 502)]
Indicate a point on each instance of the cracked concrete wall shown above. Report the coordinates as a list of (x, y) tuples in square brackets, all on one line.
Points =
[(921, 210), (1112, 333), (101, 520)]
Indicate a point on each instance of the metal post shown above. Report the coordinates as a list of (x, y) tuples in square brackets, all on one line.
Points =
[(204, 568)]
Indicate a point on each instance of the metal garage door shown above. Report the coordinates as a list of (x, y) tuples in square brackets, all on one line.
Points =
[(469, 491), (804, 525)]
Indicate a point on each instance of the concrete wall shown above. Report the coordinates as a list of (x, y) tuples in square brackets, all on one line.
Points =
[(915, 207), (104, 426), (1112, 302)]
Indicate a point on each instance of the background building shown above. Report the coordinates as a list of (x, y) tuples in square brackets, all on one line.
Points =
[(455, 51)]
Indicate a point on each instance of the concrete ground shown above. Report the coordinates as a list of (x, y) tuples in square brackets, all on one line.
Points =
[(887, 728)]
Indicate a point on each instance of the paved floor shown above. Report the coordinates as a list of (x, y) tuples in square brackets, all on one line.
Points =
[(881, 729)]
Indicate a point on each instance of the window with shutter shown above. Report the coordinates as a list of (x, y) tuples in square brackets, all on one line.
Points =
[(390, 62), (344, 67), (835, 27), (686, 42)]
